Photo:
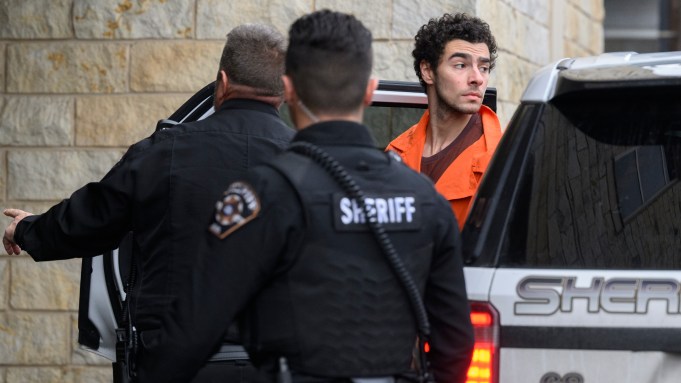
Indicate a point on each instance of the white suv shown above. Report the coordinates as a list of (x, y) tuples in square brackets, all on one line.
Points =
[(573, 244)]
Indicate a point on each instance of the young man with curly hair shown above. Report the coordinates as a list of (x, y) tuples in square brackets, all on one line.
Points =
[(456, 137)]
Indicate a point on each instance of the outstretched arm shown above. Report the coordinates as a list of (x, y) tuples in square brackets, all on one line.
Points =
[(11, 247)]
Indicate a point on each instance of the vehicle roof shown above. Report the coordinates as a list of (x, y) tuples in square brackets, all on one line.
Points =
[(616, 67)]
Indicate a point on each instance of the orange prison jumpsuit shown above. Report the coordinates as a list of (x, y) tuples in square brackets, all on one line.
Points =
[(461, 179)]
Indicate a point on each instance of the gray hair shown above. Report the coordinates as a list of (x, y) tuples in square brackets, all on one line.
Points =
[(254, 56)]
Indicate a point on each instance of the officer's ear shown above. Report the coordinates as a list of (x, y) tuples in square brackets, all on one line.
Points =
[(292, 100), (290, 94), (371, 87), (221, 86)]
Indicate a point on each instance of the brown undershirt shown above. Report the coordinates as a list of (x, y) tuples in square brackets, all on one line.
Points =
[(436, 164)]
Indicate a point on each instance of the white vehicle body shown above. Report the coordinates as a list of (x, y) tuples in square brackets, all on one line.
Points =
[(543, 338)]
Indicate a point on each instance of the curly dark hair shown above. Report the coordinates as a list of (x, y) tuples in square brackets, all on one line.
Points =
[(430, 41)]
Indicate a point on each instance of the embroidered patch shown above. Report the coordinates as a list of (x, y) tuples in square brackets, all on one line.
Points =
[(396, 212), (238, 206)]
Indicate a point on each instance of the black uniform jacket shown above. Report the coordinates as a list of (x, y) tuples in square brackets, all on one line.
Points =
[(248, 261), (163, 189)]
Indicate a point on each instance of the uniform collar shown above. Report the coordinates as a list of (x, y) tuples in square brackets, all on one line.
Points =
[(249, 104), (336, 133)]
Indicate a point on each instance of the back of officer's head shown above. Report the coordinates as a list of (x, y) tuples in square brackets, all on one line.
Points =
[(329, 61), (254, 56)]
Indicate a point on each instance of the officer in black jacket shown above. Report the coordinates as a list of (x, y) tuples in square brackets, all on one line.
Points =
[(292, 251), (163, 191)]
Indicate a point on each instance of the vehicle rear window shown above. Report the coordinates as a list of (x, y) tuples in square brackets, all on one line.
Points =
[(600, 186)]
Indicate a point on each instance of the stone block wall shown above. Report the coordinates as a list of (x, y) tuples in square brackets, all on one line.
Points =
[(533, 33), (81, 80)]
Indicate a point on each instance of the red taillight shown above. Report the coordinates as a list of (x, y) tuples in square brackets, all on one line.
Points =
[(485, 361)]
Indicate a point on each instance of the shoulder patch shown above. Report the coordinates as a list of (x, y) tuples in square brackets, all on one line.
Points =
[(238, 206)]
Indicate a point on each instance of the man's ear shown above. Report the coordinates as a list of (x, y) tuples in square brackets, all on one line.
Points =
[(290, 95), (221, 85), (371, 87), (427, 73)]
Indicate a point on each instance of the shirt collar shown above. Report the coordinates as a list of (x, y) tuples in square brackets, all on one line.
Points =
[(245, 103), (336, 133)]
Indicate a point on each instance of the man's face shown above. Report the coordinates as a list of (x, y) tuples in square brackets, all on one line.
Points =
[(461, 77)]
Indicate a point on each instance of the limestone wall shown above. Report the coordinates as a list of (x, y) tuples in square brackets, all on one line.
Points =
[(81, 80)]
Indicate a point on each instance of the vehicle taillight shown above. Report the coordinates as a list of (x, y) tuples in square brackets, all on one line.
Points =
[(485, 361)]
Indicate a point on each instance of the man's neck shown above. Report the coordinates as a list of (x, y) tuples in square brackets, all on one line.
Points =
[(304, 120), (444, 126), (245, 92)]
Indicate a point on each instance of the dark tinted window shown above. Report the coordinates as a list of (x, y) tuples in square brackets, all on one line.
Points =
[(640, 175), (628, 183), (600, 187), (652, 170)]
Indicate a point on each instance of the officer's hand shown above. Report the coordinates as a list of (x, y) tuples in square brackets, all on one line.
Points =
[(8, 239)]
